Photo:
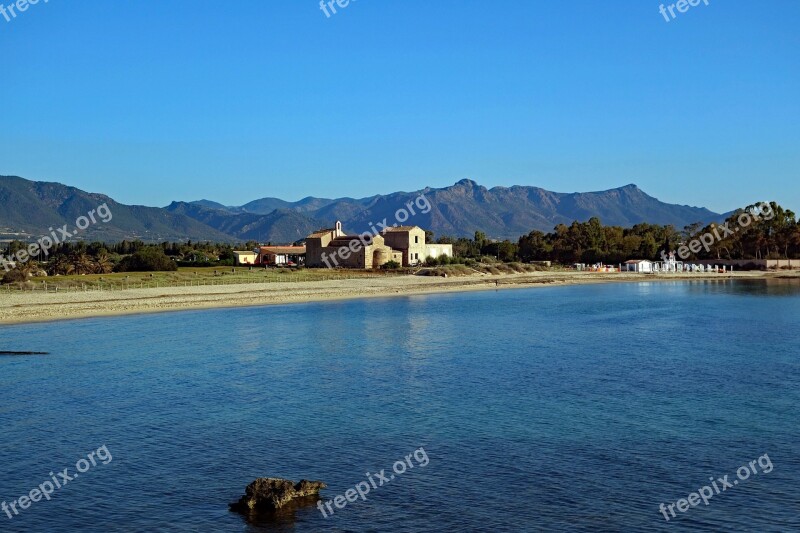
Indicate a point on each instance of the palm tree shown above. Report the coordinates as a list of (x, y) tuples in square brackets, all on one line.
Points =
[(29, 269), (82, 263), (103, 263), (60, 265)]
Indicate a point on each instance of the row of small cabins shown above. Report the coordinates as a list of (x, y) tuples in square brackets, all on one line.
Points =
[(333, 248), (645, 266)]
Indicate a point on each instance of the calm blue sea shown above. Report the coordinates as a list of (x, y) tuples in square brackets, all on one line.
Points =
[(552, 409)]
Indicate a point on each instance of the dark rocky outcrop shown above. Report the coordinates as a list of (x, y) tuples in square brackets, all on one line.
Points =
[(269, 494)]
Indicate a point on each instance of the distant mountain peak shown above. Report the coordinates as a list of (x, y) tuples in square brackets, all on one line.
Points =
[(457, 210), (206, 203)]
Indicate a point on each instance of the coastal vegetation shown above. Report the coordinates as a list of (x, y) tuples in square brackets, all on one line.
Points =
[(82, 258), (189, 277), (774, 237), (777, 237), (150, 259)]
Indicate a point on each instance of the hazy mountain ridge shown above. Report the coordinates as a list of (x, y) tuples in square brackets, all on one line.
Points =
[(32, 207), (458, 210), (278, 226), (501, 212)]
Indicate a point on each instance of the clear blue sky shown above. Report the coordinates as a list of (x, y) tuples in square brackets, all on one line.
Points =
[(231, 101)]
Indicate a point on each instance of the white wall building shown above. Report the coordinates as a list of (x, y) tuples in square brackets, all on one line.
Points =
[(244, 258), (638, 265), (438, 250)]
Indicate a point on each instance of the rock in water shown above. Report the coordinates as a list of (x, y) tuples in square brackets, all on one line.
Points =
[(271, 494)]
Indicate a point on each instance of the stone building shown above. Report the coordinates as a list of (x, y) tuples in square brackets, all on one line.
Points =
[(410, 241), (333, 248), (403, 244)]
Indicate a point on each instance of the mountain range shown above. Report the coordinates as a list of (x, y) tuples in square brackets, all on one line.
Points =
[(29, 208)]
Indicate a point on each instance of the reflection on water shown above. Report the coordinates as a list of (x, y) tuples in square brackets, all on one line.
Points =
[(283, 519), (747, 287), (587, 405)]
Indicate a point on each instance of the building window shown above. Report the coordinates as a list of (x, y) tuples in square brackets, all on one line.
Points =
[(416, 239)]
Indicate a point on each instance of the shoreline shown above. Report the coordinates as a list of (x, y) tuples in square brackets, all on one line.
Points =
[(21, 307)]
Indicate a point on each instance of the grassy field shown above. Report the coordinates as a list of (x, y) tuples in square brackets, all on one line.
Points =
[(192, 277), (209, 276), (494, 269)]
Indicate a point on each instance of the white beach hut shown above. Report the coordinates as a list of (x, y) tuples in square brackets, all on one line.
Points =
[(639, 265)]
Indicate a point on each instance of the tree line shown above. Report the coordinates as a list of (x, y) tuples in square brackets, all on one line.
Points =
[(80, 257), (775, 234)]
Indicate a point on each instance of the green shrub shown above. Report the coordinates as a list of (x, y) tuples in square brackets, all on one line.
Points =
[(517, 267), (151, 259), (14, 276)]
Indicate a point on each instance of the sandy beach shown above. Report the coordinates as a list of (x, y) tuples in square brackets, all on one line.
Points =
[(23, 306)]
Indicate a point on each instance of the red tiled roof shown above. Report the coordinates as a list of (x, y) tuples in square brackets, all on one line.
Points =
[(283, 249)]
